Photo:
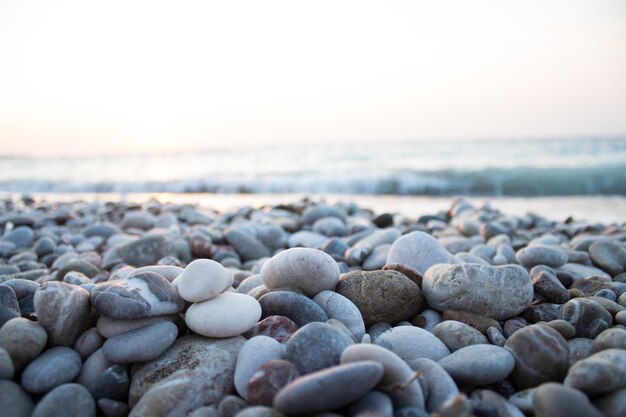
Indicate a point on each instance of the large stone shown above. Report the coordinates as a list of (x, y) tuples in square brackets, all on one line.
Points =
[(226, 315), (410, 342), (420, 251), (54, 367), (382, 296), (600, 373), (140, 345), (316, 346), (499, 292), (23, 339)]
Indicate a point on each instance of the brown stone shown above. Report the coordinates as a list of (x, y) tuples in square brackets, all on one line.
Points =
[(480, 323), (277, 327), (268, 379)]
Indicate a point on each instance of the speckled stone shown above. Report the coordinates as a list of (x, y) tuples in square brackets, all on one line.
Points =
[(52, 368), (316, 346), (411, 342), (297, 307), (252, 355), (381, 296), (23, 339), (268, 379), (456, 335), (68, 400), (277, 327), (226, 315), (588, 317), (478, 365), (600, 373), (420, 251)]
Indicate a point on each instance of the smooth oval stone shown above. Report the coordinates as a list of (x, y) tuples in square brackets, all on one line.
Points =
[(226, 315), (541, 355), (564, 328), (297, 307), (140, 345), (410, 342), (420, 251), (435, 381), (541, 255), (609, 256), (328, 389), (338, 307), (310, 270), (77, 265), (63, 310), (14, 401), (330, 226), (306, 239), (381, 296), (143, 295), (316, 346), (550, 288), (21, 236), (246, 245), (314, 213), (254, 353), (23, 339), (108, 327), (268, 379), (279, 328), (588, 317), (68, 400), (203, 279), (398, 379), (614, 338), (88, 342), (578, 271), (600, 373), (477, 321), (145, 251), (377, 259), (478, 365), (93, 367), (499, 292), (373, 403), (456, 335), (52, 368), (9, 306), (556, 400)]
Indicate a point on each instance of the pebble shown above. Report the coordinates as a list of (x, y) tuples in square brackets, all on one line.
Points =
[(609, 256), (14, 401), (9, 306), (310, 270), (21, 237), (556, 400), (550, 288), (456, 335), (328, 389), (588, 317), (410, 342), (496, 337), (314, 213), (420, 251), (600, 373), (338, 307), (268, 379), (23, 339), (435, 381), (140, 345), (246, 245), (112, 383), (541, 355), (77, 265), (478, 365), (203, 279), (112, 408), (297, 307), (579, 348), (613, 404), (7, 370), (230, 405), (541, 255), (92, 369), (62, 310), (306, 239), (279, 328), (54, 367), (564, 328), (614, 338), (226, 315), (68, 400), (381, 296), (145, 251), (254, 353), (578, 271), (372, 403), (316, 346), (497, 292), (330, 226), (143, 295), (477, 321), (377, 258), (88, 342)]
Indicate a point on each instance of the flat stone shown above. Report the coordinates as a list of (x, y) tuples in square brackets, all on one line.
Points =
[(478, 365), (609, 256), (23, 339), (338, 307), (146, 250), (203, 279), (63, 310), (226, 315), (435, 381), (140, 345), (297, 307), (541, 255), (68, 400), (555, 400), (54, 367), (310, 270), (9, 306), (600, 373), (588, 317), (541, 355), (246, 245), (456, 335), (254, 353), (420, 251), (497, 292), (411, 342), (14, 401), (279, 328), (381, 296), (328, 389), (268, 379), (143, 295), (316, 346)]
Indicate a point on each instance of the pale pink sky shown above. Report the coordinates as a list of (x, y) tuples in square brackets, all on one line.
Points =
[(79, 77)]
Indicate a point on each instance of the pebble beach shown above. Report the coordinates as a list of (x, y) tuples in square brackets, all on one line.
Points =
[(308, 308)]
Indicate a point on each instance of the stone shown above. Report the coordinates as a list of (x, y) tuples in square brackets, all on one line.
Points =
[(600, 373), (54, 367), (14, 401), (306, 239), (140, 345), (203, 279), (112, 408), (138, 220), (314, 213), (230, 405), (613, 404), (68, 400), (377, 258), (477, 365), (226, 315), (555, 400), (411, 342), (254, 353), (268, 379), (316, 346), (279, 328), (9, 306), (420, 251), (381, 296), (21, 237), (435, 381), (328, 389), (246, 245), (496, 337), (338, 307), (92, 369), (541, 355), (541, 255), (564, 328), (497, 292), (330, 226), (143, 295), (398, 379), (614, 338), (23, 339), (477, 321), (609, 256), (77, 265), (146, 250), (88, 342), (588, 317), (169, 272), (579, 348), (112, 383), (372, 403), (550, 288), (297, 307), (108, 327), (63, 310), (7, 370), (261, 411), (456, 335), (310, 270), (513, 325), (44, 246), (578, 271)]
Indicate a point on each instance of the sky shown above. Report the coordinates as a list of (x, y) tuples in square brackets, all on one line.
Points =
[(109, 77)]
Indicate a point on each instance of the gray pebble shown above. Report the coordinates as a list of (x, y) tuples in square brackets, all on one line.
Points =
[(600, 373), (541, 255), (140, 345), (478, 365), (23, 340), (9, 306), (435, 381), (556, 400), (456, 335), (14, 401), (253, 354), (54, 367), (316, 346), (88, 342), (7, 370), (297, 307), (410, 342), (68, 400)]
